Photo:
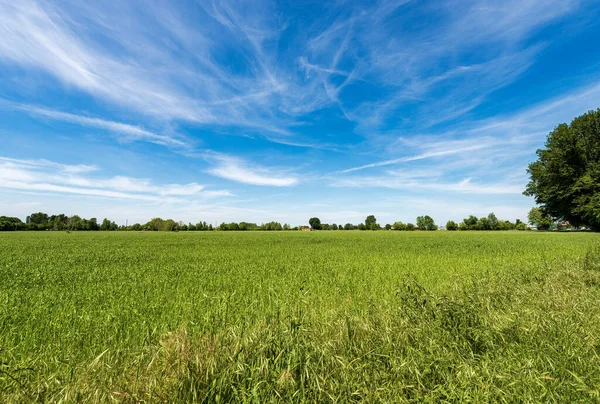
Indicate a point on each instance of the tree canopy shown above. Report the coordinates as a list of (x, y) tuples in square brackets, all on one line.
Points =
[(565, 180), (426, 223), (539, 219), (371, 223)]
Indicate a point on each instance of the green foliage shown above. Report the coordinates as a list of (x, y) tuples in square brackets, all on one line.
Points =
[(426, 223), (490, 222), (399, 226), (299, 317), (565, 180), (11, 223), (451, 225), (537, 217), (371, 223), (493, 221), (315, 223), (272, 226), (38, 218), (108, 225), (521, 226)]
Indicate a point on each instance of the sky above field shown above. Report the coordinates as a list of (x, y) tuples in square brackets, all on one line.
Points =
[(260, 111)]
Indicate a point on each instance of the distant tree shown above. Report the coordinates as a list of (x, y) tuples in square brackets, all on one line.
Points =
[(469, 223), (483, 224), (58, 222), (426, 223), (410, 226), (565, 180), (93, 224), (362, 226), (244, 226), (75, 223), (315, 223), (521, 226), (156, 224), (11, 224), (388, 226), (170, 225), (451, 225), (398, 226), (271, 226), (493, 221), (371, 223), (537, 217), (286, 226), (348, 226), (505, 225), (38, 218), (106, 225)]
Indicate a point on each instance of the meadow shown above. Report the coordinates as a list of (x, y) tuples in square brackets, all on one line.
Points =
[(299, 316)]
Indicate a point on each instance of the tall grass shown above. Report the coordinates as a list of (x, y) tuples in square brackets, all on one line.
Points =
[(333, 316)]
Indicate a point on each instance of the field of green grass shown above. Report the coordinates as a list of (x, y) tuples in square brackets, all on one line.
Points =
[(295, 316)]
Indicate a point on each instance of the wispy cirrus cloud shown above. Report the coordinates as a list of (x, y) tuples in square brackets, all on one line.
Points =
[(235, 169), (506, 137), (40, 164), (48, 176), (423, 75), (219, 64), (123, 130)]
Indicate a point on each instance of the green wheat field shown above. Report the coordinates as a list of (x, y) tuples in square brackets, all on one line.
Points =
[(259, 317)]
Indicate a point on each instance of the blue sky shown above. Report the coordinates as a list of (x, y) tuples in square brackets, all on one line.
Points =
[(259, 111)]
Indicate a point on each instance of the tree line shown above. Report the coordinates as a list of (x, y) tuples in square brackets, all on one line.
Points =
[(42, 221), (426, 223)]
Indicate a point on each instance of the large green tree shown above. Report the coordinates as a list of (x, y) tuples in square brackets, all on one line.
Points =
[(371, 223), (315, 223), (426, 223), (565, 180)]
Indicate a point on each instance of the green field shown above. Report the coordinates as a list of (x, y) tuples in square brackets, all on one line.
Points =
[(299, 316)]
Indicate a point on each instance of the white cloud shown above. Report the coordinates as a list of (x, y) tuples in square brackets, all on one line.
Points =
[(237, 170), (40, 163), (392, 181), (126, 131), (48, 176), (428, 155), (170, 69)]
